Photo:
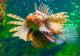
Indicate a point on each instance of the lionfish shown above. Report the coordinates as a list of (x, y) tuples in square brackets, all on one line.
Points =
[(40, 27)]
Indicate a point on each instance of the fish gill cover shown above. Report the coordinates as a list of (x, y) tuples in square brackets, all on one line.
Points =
[(40, 28)]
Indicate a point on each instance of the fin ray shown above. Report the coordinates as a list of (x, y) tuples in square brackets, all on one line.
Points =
[(22, 33), (16, 22), (14, 29), (15, 17)]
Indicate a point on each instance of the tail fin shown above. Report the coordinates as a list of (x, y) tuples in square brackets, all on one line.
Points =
[(70, 34)]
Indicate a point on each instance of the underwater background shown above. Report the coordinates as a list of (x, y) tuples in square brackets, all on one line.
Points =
[(10, 46)]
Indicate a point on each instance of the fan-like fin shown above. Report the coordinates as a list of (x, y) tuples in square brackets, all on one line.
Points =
[(45, 9), (16, 34), (62, 15), (14, 29), (35, 5), (40, 6), (16, 22), (50, 12), (22, 33), (15, 17)]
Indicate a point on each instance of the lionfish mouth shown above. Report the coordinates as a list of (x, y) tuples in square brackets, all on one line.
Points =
[(49, 36), (47, 33)]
